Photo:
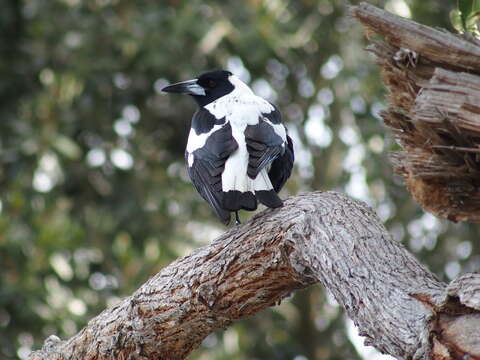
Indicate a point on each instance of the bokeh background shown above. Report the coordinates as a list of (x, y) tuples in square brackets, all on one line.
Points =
[(94, 193)]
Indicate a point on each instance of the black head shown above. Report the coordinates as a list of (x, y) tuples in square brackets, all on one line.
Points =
[(206, 88)]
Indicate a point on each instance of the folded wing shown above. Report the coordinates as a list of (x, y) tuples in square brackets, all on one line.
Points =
[(270, 151), (264, 145), (269, 145), (281, 168), (206, 164)]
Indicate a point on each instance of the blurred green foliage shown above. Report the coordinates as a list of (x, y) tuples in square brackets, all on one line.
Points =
[(94, 194), (466, 17)]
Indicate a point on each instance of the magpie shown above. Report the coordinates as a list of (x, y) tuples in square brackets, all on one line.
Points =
[(238, 151)]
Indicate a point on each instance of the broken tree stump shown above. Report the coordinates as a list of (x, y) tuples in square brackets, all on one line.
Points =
[(433, 81)]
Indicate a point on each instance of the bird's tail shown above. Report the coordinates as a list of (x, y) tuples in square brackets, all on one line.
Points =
[(247, 191), (234, 200), (264, 192)]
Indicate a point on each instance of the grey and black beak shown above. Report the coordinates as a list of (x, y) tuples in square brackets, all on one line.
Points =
[(189, 87)]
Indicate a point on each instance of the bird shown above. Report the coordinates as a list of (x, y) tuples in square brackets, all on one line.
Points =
[(238, 151)]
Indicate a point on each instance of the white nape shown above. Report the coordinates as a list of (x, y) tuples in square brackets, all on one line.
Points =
[(241, 107)]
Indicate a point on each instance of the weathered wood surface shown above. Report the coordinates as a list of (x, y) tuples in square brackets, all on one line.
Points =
[(398, 305), (433, 83)]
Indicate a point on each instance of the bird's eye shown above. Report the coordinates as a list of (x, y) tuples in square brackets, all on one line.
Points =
[(211, 83)]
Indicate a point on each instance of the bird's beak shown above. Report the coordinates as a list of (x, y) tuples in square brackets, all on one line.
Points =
[(185, 87)]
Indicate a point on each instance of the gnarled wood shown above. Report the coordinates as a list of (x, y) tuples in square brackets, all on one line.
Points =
[(317, 237), (433, 82)]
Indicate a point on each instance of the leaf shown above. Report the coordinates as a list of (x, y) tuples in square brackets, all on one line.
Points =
[(472, 23), (465, 8), (466, 18), (456, 21), (67, 147)]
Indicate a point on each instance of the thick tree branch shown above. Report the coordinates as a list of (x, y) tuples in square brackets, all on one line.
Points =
[(433, 82), (317, 237)]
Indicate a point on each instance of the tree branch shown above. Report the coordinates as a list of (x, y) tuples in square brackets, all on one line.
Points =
[(317, 237)]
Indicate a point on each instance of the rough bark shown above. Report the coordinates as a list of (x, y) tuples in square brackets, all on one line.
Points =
[(398, 305), (433, 82)]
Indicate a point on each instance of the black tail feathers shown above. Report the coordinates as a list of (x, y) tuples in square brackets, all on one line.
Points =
[(234, 200), (269, 198)]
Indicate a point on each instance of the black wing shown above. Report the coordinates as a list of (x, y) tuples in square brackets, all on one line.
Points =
[(282, 167), (264, 145), (203, 121), (208, 165)]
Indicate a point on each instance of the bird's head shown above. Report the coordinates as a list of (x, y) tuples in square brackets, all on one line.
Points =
[(205, 89)]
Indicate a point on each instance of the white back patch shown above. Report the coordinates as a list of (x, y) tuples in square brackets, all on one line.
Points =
[(190, 159), (241, 107), (197, 141)]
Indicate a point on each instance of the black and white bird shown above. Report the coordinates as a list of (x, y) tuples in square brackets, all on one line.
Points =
[(238, 150)]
